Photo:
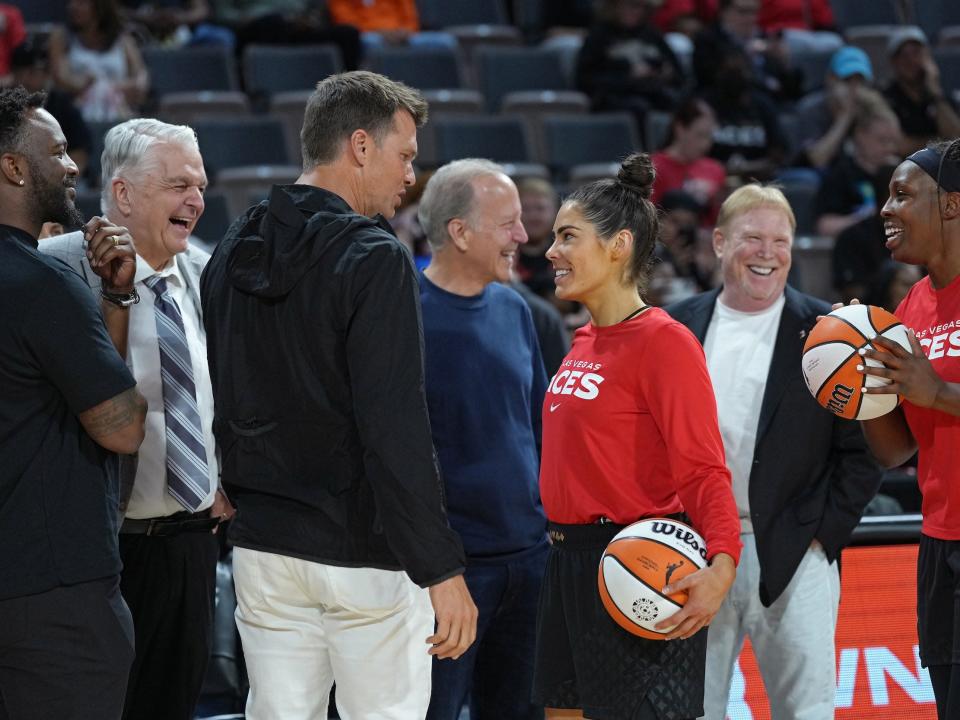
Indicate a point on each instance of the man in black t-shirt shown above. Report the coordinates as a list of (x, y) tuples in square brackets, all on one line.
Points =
[(67, 402)]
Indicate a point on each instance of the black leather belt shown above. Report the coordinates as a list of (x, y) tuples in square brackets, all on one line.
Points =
[(171, 525)]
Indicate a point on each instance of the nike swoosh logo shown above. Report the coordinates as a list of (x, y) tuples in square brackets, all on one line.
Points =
[(554, 407)]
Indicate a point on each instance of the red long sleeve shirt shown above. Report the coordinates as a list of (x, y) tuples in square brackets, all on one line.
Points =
[(630, 431)]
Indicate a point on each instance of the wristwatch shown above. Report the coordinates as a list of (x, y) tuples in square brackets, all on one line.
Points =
[(123, 300)]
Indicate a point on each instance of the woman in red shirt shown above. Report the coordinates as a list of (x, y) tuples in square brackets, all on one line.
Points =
[(684, 164), (629, 431)]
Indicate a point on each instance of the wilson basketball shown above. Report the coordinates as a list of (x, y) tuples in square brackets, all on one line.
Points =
[(638, 562), (831, 355)]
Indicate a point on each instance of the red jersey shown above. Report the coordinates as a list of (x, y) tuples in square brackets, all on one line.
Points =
[(795, 14), (704, 179), (630, 431), (934, 315)]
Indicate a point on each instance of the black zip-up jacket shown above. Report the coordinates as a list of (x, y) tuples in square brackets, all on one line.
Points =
[(315, 345)]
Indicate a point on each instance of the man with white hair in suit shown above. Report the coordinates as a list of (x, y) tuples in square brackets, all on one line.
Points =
[(153, 185)]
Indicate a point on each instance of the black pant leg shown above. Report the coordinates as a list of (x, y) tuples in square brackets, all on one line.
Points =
[(169, 584), (65, 653)]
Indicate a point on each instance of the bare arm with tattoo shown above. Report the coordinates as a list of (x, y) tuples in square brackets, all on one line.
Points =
[(117, 424)]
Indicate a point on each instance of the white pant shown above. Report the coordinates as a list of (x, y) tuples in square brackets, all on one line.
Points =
[(305, 625), (793, 639)]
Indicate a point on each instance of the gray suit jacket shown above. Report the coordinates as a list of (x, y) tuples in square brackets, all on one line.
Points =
[(70, 248)]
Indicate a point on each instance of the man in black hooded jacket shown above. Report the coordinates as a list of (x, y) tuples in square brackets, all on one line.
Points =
[(315, 348)]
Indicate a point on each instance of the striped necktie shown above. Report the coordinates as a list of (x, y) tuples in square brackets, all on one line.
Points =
[(188, 479)]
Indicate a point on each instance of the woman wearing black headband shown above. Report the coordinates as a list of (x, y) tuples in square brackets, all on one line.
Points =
[(922, 225)]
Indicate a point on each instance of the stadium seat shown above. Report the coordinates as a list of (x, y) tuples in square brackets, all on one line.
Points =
[(504, 70), (948, 60), (440, 14), (425, 68), (190, 69), (802, 197), (454, 102), (534, 105), (573, 140), (270, 69), (471, 38), (949, 36), (288, 108), (854, 13), (501, 139), (43, 11), (814, 64), (239, 184), (656, 129), (97, 132), (215, 220), (240, 142), (188, 107)]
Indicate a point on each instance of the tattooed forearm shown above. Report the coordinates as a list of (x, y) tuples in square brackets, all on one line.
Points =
[(120, 415)]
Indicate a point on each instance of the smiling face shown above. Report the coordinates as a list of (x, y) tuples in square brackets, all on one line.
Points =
[(492, 230), (582, 262), (390, 169), (754, 250), (161, 200), (911, 216), (52, 174)]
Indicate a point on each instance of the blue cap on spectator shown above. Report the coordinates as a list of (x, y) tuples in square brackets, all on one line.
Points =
[(850, 60)]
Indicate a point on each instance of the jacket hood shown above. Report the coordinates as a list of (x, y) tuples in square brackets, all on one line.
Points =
[(280, 239)]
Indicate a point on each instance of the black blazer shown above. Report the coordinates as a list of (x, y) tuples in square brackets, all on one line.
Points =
[(812, 474)]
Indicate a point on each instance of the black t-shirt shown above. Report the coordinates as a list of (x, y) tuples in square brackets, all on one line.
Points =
[(58, 493), (845, 188), (917, 118), (750, 129)]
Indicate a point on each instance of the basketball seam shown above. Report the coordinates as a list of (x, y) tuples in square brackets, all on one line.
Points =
[(658, 542), (640, 580), (830, 342), (877, 330), (838, 366)]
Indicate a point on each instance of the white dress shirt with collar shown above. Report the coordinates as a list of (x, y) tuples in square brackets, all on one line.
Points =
[(149, 498)]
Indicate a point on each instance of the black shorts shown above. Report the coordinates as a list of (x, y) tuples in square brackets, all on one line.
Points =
[(585, 660), (938, 606)]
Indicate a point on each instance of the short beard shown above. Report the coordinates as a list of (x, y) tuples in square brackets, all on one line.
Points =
[(51, 201)]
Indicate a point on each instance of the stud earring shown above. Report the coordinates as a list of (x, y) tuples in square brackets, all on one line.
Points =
[(21, 183)]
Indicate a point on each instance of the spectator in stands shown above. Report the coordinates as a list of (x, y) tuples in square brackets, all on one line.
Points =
[(686, 17), (540, 203), (170, 497), (286, 22), (686, 243), (806, 25), (853, 184), (98, 62), (749, 139), (31, 68), (736, 28), (470, 211), (625, 63), (12, 34), (174, 23), (825, 118), (684, 164), (892, 283), (859, 252), (68, 404), (915, 92)]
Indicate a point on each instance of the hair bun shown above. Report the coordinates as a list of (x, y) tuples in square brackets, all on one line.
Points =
[(637, 173)]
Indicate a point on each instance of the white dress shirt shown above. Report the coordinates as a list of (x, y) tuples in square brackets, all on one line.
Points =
[(739, 348), (149, 498)]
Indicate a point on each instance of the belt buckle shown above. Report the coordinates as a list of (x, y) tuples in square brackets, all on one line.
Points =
[(153, 526)]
